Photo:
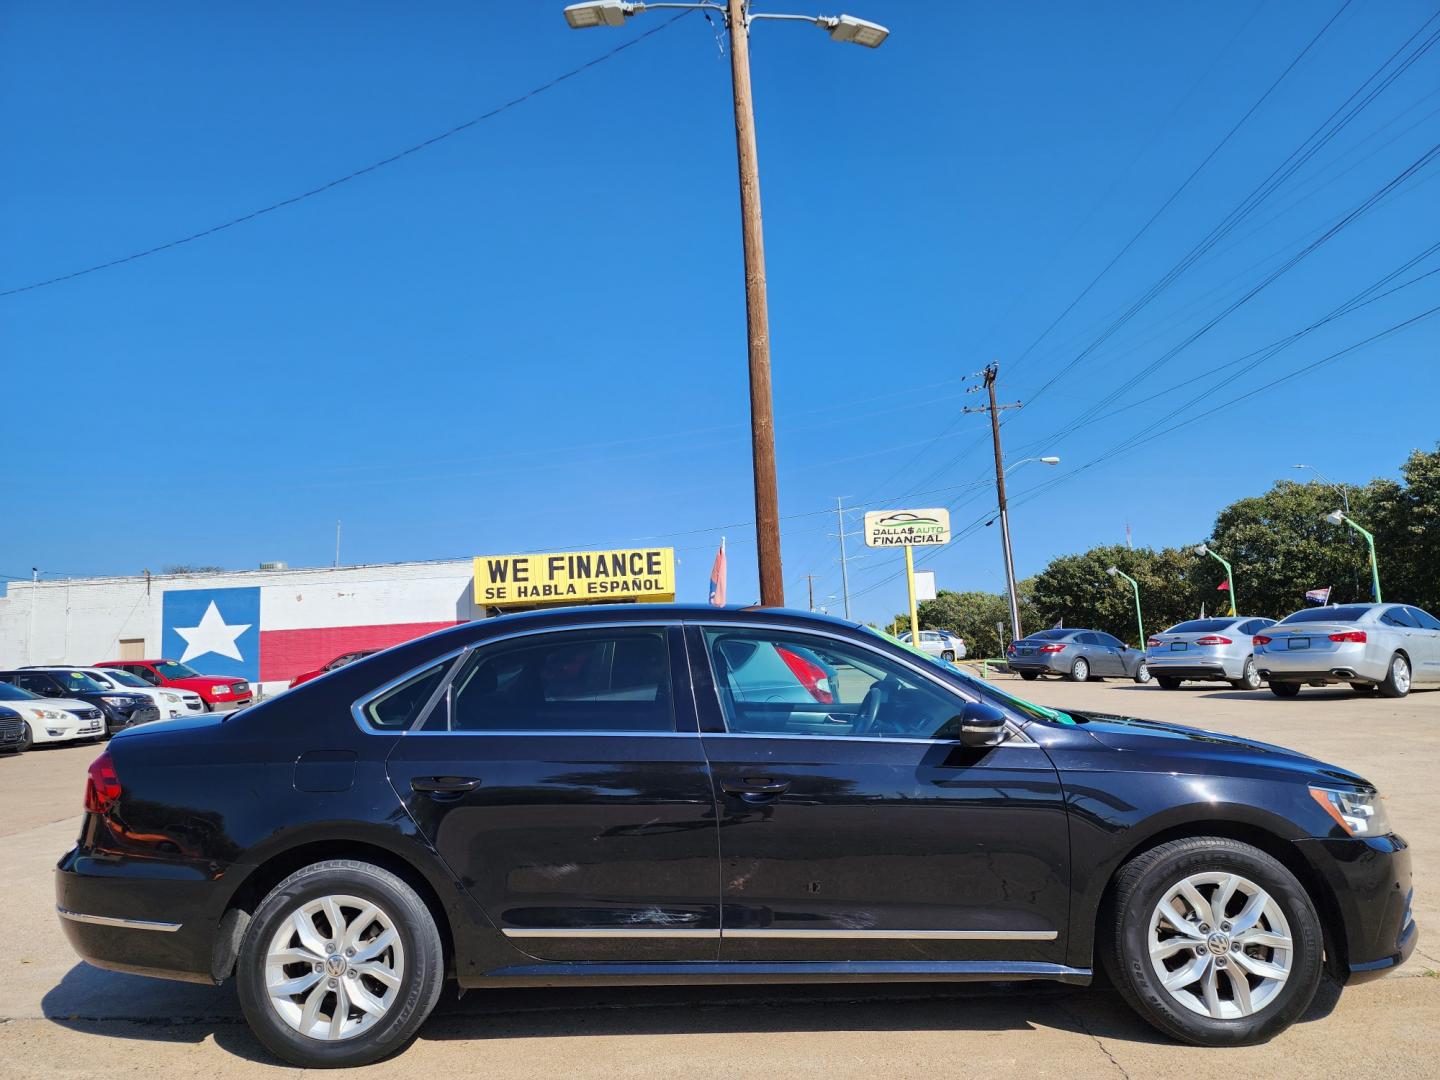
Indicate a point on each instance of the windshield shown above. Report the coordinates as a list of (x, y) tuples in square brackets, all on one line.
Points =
[(171, 669), (1343, 613), (14, 693), (124, 678), (77, 682)]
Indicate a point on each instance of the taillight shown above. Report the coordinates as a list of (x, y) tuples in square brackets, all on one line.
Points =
[(1152, 643), (1260, 639), (1052, 648), (1011, 649), (1213, 639), (812, 676), (1349, 635), (102, 785)]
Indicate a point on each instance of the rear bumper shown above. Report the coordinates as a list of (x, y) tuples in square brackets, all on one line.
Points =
[(1370, 885), (139, 916), (1332, 665), (1044, 665), (1189, 669)]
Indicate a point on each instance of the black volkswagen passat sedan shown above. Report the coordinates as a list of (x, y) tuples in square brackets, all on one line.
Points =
[(638, 794)]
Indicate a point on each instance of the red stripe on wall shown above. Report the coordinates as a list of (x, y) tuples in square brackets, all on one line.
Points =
[(287, 653)]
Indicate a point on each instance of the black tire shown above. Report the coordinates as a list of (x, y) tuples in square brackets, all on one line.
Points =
[(1396, 683), (27, 737), (1168, 682), (1142, 673), (1079, 671), (421, 977), (1125, 930), (1029, 676), (1284, 689), (948, 656), (1249, 677)]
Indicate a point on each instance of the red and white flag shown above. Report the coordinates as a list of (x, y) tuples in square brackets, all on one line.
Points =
[(1318, 596), (1224, 586), (717, 577)]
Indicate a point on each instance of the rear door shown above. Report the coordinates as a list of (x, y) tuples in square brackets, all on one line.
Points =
[(853, 829), (561, 777)]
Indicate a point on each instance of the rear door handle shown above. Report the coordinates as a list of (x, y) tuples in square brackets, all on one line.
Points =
[(755, 787), (444, 785)]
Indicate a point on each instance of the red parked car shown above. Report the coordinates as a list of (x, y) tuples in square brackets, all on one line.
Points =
[(339, 662), (220, 693)]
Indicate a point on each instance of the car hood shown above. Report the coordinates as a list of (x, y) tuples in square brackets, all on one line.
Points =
[(1207, 749)]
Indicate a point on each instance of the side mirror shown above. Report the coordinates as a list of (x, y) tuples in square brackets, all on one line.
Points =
[(981, 725)]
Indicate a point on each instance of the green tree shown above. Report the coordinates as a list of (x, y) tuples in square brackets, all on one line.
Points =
[(1077, 589)]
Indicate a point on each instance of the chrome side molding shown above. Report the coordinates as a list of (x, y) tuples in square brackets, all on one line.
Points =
[(125, 924)]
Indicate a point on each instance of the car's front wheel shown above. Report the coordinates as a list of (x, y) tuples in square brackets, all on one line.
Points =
[(1142, 673), (340, 966), (27, 737), (1397, 679), (1213, 941), (948, 656)]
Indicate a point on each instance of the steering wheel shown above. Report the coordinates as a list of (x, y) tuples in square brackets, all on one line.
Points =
[(869, 715)]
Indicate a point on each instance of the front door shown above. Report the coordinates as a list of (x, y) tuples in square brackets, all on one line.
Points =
[(854, 827), (562, 779)]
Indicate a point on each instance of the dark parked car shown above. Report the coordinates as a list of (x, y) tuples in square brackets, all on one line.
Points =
[(1078, 655), (12, 731), (595, 796), (121, 709)]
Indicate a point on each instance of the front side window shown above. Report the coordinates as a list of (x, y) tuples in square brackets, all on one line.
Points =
[(583, 680), (77, 682), (1399, 616), (1425, 620), (1110, 641), (778, 683)]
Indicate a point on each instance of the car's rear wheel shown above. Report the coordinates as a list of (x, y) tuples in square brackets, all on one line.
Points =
[(1142, 673), (1080, 670), (1249, 677), (1397, 678), (948, 655), (1284, 689), (340, 966), (1029, 676), (1213, 941), (1168, 682)]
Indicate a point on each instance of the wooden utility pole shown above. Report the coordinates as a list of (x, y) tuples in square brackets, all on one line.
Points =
[(810, 582), (991, 373), (757, 316)]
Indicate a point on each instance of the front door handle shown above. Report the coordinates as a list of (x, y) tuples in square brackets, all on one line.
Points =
[(444, 785), (755, 788)]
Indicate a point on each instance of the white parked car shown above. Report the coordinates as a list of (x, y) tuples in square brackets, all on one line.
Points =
[(52, 720), (172, 702), (941, 643)]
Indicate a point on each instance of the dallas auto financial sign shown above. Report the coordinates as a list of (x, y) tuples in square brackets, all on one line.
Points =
[(907, 528)]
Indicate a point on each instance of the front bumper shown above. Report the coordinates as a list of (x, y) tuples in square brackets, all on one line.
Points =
[(139, 916), (1370, 885), (229, 706)]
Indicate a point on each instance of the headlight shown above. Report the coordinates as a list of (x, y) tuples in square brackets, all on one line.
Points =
[(1358, 813), (50, 714), (171, 697), (118, 701)]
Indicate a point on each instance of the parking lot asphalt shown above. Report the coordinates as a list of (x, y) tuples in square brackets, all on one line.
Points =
[(60, 1018)]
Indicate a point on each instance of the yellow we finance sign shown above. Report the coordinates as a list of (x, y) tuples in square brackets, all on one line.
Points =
[(575, 577)]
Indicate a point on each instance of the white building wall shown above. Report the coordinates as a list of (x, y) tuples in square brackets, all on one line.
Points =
[(82, 620)]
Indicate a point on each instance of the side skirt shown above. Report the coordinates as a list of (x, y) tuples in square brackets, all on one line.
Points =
[(715, 973)]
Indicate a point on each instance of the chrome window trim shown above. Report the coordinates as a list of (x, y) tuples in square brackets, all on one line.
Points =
[(774, 934), (112, 920), (461, 654), (1016, 733)]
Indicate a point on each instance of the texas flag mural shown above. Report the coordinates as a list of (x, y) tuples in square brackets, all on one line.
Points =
[(271, 633)]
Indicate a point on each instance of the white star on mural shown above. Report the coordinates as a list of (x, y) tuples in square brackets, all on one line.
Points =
[(211, 636)]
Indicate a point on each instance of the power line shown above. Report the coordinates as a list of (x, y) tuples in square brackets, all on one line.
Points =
[(357, 173)]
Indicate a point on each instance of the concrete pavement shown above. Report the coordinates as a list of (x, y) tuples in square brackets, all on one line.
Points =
[(59, 1018)]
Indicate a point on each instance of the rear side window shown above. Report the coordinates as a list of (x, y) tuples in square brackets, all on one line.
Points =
[(600, 680), (400, 706)]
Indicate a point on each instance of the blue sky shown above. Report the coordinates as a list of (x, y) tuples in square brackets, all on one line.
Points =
[(532, 335)]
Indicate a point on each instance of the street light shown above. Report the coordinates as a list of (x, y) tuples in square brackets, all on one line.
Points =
[(1344, 495), (1204, 549), (762, 418), (1139, 621), (1340, 517)]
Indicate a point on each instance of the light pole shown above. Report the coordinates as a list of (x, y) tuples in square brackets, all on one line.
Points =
[(1005, 533), (1204, 549), (738, 18), (1139, 620), (1337, 517), (1344, 494)]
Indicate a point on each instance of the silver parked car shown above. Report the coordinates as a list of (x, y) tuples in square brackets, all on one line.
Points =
[(1207, 650), (1076, 654), (1388, 647), (941, 643)]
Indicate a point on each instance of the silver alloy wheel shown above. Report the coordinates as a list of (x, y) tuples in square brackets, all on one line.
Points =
[(1142, 673), (334, 967), (1400, 674), (1082, 670), (1220, 945), (1248, 675)]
